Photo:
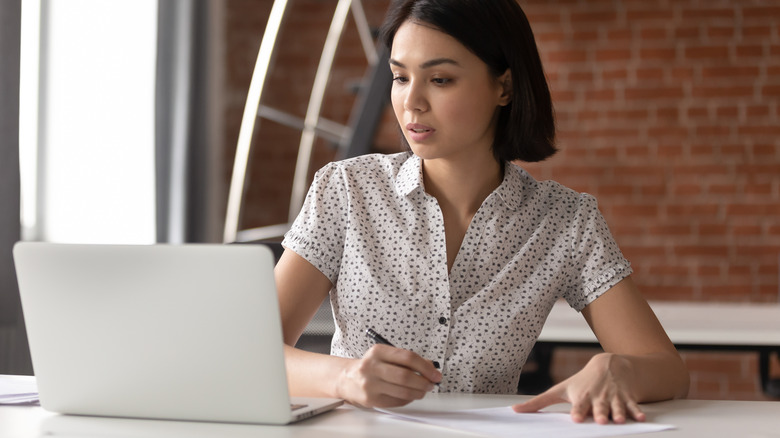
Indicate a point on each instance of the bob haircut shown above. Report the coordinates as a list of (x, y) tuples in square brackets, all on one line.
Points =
[(498, 32)]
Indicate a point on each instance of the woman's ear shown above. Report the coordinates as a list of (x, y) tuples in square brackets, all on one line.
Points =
[(506, 88)]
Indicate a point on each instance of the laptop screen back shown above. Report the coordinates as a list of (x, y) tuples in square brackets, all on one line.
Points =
[(162, 331)]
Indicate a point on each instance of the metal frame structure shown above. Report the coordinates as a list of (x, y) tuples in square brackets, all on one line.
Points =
[(353, 139)]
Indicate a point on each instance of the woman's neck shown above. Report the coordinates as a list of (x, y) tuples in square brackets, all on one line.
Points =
[(461, 187)]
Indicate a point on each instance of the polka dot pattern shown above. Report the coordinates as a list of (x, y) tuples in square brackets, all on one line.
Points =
[(369, 226)]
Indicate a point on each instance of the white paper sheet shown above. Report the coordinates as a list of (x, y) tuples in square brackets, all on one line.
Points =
[(16, 390), (506, 423)]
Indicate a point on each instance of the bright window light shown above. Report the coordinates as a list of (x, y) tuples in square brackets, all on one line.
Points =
[(95, 164), (28, 115)]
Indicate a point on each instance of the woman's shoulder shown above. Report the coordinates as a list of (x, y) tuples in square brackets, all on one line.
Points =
[(548, 194), (370, 165), (368, 161), (376, 160), (541, 188)]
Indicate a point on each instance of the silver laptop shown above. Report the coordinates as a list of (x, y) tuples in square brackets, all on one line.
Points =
[(187, 332)]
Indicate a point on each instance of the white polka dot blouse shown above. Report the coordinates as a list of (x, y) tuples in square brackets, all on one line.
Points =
[(370, 227)]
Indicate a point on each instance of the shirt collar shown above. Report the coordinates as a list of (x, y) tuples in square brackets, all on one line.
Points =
[(409, 177), (511, 190)]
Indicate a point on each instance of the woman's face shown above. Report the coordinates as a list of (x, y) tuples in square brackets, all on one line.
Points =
[(444, 97)]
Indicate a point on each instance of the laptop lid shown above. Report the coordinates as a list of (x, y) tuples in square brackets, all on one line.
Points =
[(187, 332)]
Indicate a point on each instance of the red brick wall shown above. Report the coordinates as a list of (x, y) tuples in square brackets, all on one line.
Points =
[(667, 112)]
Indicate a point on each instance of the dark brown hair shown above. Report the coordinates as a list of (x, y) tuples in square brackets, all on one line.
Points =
[(498, 32)]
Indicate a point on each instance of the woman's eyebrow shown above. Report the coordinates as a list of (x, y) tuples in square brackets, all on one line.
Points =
[(429, 64)]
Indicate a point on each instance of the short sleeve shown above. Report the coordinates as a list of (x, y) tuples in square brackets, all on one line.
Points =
[(317, 234), (597, 263)]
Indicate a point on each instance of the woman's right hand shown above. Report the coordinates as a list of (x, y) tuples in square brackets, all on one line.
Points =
[(387, 377), (384, 377)]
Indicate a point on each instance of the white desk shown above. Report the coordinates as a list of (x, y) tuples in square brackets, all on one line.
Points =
[(700, 325), (728, 325), (693, 418)]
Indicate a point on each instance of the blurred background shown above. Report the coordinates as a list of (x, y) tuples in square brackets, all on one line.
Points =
[(667, 112)]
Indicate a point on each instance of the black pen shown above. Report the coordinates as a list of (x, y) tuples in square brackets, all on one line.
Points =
[(379, 339), (376, 337)]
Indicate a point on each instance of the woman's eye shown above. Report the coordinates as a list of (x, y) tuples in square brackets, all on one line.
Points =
[(441, 81), (400, 79)]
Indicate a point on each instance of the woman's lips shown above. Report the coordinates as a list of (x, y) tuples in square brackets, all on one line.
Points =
[(418, 132)]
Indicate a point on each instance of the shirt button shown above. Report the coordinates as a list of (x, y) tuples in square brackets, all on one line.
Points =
[(442, 320)]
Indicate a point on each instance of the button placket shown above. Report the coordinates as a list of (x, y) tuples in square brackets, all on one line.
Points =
[(441, 284)]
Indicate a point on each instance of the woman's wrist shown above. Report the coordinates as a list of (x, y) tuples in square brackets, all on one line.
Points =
[(650, 377), (342, 378), (618, 367)]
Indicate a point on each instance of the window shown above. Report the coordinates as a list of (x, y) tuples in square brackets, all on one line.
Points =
[(87, 120)]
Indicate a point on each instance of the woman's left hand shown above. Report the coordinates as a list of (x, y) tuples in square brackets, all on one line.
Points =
[(600, 389)]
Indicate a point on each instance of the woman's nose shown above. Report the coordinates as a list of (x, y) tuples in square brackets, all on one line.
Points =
[(415, 100)]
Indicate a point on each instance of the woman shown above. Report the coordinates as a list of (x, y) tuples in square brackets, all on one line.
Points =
[(453, 253)]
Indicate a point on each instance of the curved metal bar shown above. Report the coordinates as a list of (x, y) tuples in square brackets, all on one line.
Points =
[(240, 164), (327, 129), (315, 105), (364, 30)]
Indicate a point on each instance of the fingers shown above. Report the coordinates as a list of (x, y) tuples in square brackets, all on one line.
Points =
[(601, 404), (547, 398), (635, 411), (615, 407), (401, 382), (409, 360), (618, 411), (389, 377), (608, 404), (580, 409)]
